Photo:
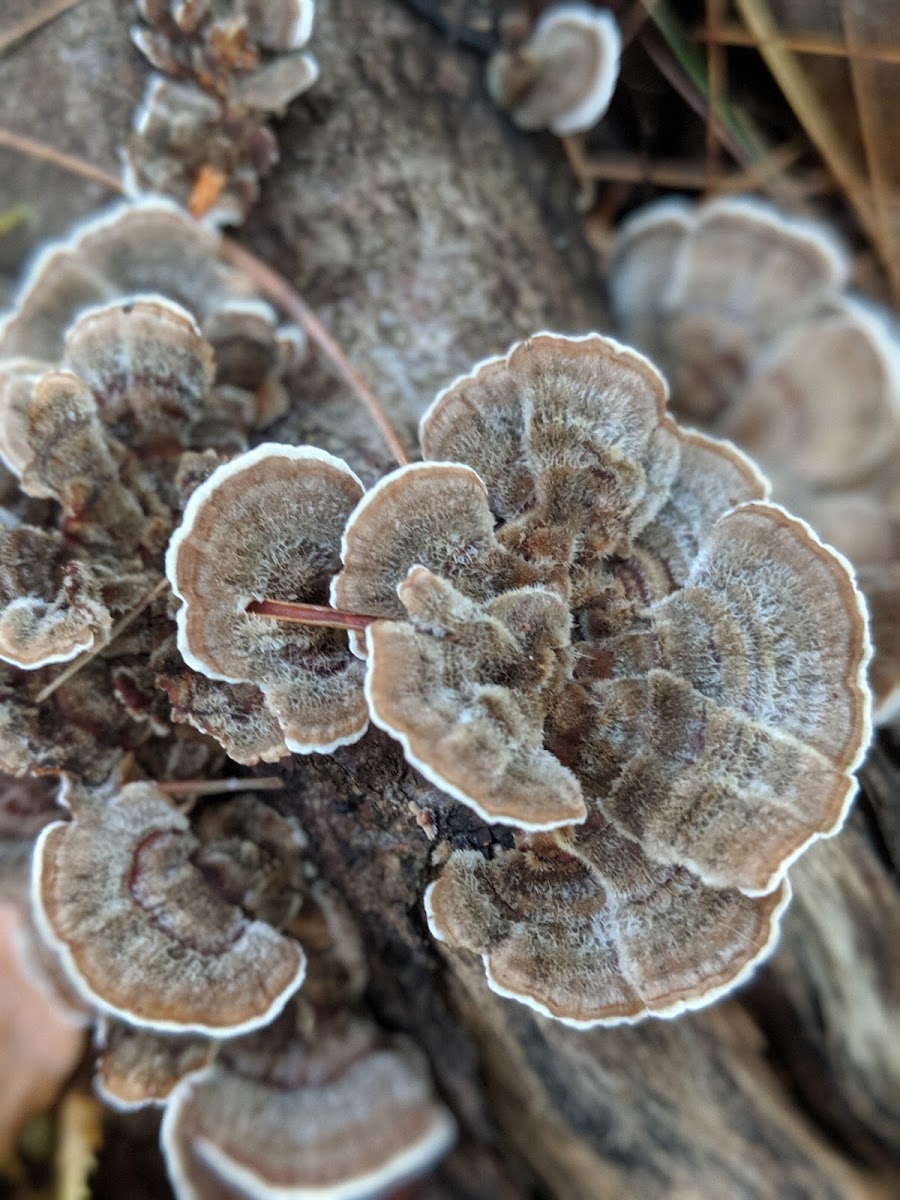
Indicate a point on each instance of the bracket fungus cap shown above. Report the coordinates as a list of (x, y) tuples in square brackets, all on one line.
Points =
[(564, 75), (144, 247), (459, 686), (140, 932), (137, 1068), (267, 525), (589, 948), (343, 1114)]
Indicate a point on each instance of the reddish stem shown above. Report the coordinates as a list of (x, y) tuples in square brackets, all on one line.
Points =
[(309, 614)]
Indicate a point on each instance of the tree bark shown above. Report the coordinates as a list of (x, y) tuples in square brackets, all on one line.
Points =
[(428, 235)]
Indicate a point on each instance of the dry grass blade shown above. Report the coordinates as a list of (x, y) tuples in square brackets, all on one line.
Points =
[(876, 88), (716, 67), (80, 1135), (813, 115), (818, 44)]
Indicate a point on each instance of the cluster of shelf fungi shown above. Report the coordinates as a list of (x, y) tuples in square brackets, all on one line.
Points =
[(643, 683)]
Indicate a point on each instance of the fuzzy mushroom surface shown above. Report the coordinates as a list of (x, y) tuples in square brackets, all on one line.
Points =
[(605, 942), (268, 525), (746, 310), (595, 628), (341, 1113), (143, 934)]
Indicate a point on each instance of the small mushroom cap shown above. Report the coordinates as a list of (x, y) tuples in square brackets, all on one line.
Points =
[(570, 431), (713, 477), (51, 607), (75, 462), (141, 932), (465, 690), (282, 24), (881, 585), (138, 1067), (608, 943), (434, 515), (268, 525), (18, 378), (642, 257), (822, 406), (564, 76), (147, 366), (341, 1115), (235, 714), (272, 86)]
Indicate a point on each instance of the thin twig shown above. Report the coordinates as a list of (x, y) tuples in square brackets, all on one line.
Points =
[(34, 21), (83, 659), (273, 285), (215, 787), (309, 614), (277, 288), (67, 162)]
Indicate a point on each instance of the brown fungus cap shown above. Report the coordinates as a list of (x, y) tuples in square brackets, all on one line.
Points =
[(219, 37), (821, 406), (143, 934), (150, 248), (268, 525), (139, 1067), (674, 566), (51, 606), (199, 135), (720, 738), (562, 78), (434, 515), (465, 688), (148, 368), (341, 1112), (18, 377), (182, 135), (566, 432), (605, 943)]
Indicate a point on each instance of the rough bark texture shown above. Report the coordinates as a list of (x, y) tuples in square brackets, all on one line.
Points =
[(429, 235)]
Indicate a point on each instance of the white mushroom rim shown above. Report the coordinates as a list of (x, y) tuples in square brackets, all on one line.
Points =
[(860, 684), (435, 777), (84, 989), (70, 245), (199, 498), (597, 24), (666, 1014), (407, 1164), (640, 360), (27, 602)]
